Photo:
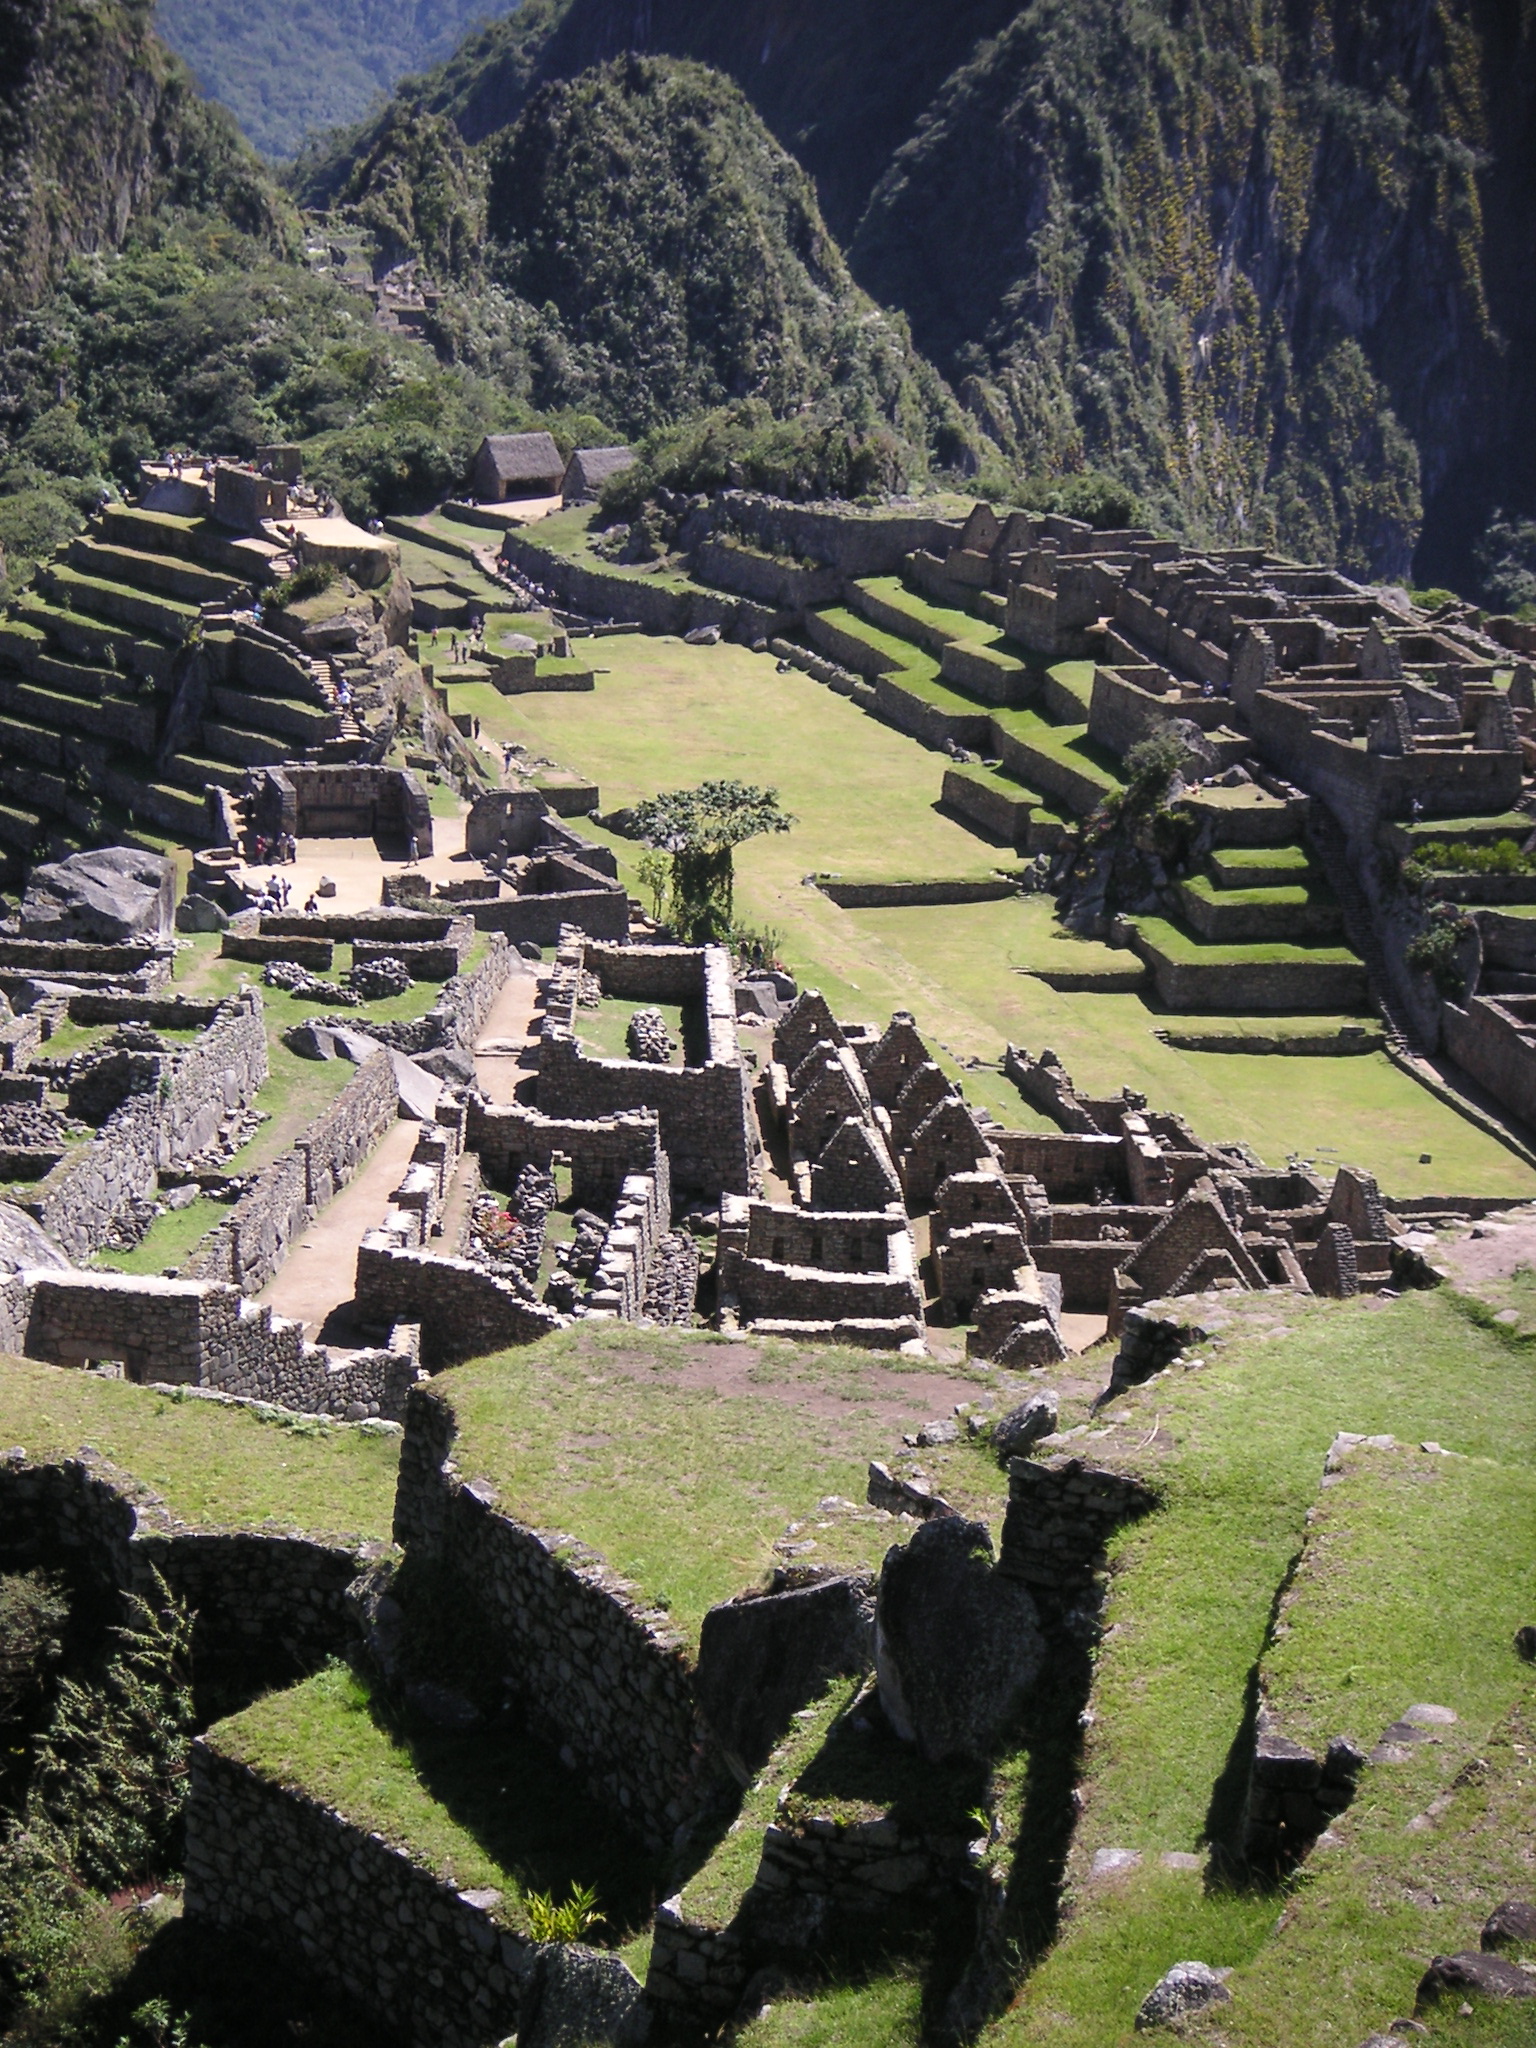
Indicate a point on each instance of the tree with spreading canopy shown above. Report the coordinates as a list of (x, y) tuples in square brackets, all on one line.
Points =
[(700, 829)]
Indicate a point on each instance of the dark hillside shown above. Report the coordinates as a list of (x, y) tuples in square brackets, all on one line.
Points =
[(686, 258), (1273, 268), (99, 128)]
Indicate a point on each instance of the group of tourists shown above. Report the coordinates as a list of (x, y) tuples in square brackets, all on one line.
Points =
[(283, 849)]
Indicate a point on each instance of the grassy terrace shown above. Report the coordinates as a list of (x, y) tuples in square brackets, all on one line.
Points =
[(1412, 1580), (683, 1459), (1413, 1596), (1189, 950), (1068, 744), (955, 625), (1279, 860), (481, 1811), (1278, 894), (215, 1467)]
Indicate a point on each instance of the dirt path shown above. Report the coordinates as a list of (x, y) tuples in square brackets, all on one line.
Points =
[(504, 1036), (357, 868), (318, 1276)]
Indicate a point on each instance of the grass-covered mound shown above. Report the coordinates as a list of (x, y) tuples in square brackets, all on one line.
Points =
[(684, 1461), (215, 1467)]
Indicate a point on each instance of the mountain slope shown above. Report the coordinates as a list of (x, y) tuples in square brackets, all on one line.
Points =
[(284, 71), (682, 251), (99, 127), (1245, 263)]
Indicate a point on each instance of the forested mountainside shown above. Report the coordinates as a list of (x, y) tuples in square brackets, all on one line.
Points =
[(99, 129), (1268, 265), (309, 64)]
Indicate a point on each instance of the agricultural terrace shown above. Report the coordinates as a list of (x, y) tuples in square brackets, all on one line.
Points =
[(1402, 1583), (214, 1466), (867, 801)]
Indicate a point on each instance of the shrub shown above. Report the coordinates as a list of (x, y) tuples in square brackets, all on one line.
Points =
[(566, 1922), (1435, 950), (309, 581)]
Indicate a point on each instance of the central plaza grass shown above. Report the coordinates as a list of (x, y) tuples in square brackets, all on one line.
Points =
[(624, 1438), (866, 799), (214, 1466)]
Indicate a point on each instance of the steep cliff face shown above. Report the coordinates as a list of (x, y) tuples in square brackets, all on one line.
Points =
[(1240, 255), (99, 126)]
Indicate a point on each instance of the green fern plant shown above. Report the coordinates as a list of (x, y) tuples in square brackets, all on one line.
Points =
[(568, 1921)]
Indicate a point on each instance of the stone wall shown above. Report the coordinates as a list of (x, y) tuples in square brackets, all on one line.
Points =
[(1061, 1513), (262, 1599), (605, 1680), (704, 1112), (1494, 1040), (856, 543), (249, 1247), (464, 1311), (219, 1072), (266, 1860), (601, 1150), (198, 1333), (342, 800)]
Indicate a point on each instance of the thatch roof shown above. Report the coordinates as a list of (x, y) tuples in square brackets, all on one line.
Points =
[(590, 468), (520, 458)]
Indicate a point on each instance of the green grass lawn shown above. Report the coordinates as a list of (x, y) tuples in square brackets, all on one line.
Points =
[(168, 1240), (214, 1466), (1189, 949), (604, 1031), (627, 1439), (1277, 895), (957, 624), (866, 801), (1413, 1594), (1283, 860), (487, 1810)]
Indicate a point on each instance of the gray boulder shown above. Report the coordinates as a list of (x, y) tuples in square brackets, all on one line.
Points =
[(1186, 1988), (1487, 1976), (957, 1645), (1025, 1425), (110, 895), (25, 1243), (763, 1655), (1512, 1925), (200, 914), (578, 1998)]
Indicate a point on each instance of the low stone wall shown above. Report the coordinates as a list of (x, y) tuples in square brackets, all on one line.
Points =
[(856, 543), (260, 1857), (785, 586), (219, 1072), (1061, 1512), (197, 1333), (249, 1247), (603, 1678), (602, 1150), (261, 1600), (464, 1311), (703, 1111), (891, 895), (257, 948), (540, 919), (1278, 987)]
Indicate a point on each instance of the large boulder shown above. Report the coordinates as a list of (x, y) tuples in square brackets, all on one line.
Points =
[(578, 1998), (1488, 1976), (1186, 1988), (763, 1655), (25, 1243), (1511, 1925), (957, 1645), (108, 896)]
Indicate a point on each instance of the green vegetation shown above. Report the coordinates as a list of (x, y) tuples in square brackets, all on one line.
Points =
[(700, 830), (481, 1811), (285, 73), (1372, 1626), (1467, 857), (867, 801), (1189, 951), (682, 1460), (215, 1467)]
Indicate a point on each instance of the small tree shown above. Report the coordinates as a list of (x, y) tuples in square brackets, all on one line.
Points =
[(701, 829)]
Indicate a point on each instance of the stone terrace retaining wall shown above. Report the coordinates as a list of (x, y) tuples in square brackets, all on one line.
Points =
[(250, 1246), (1061, 1513), (260, 1598), (220, 1071), (265, 1859), (198, 1333), (604, 1679), (464, 1311), (859, 544)]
